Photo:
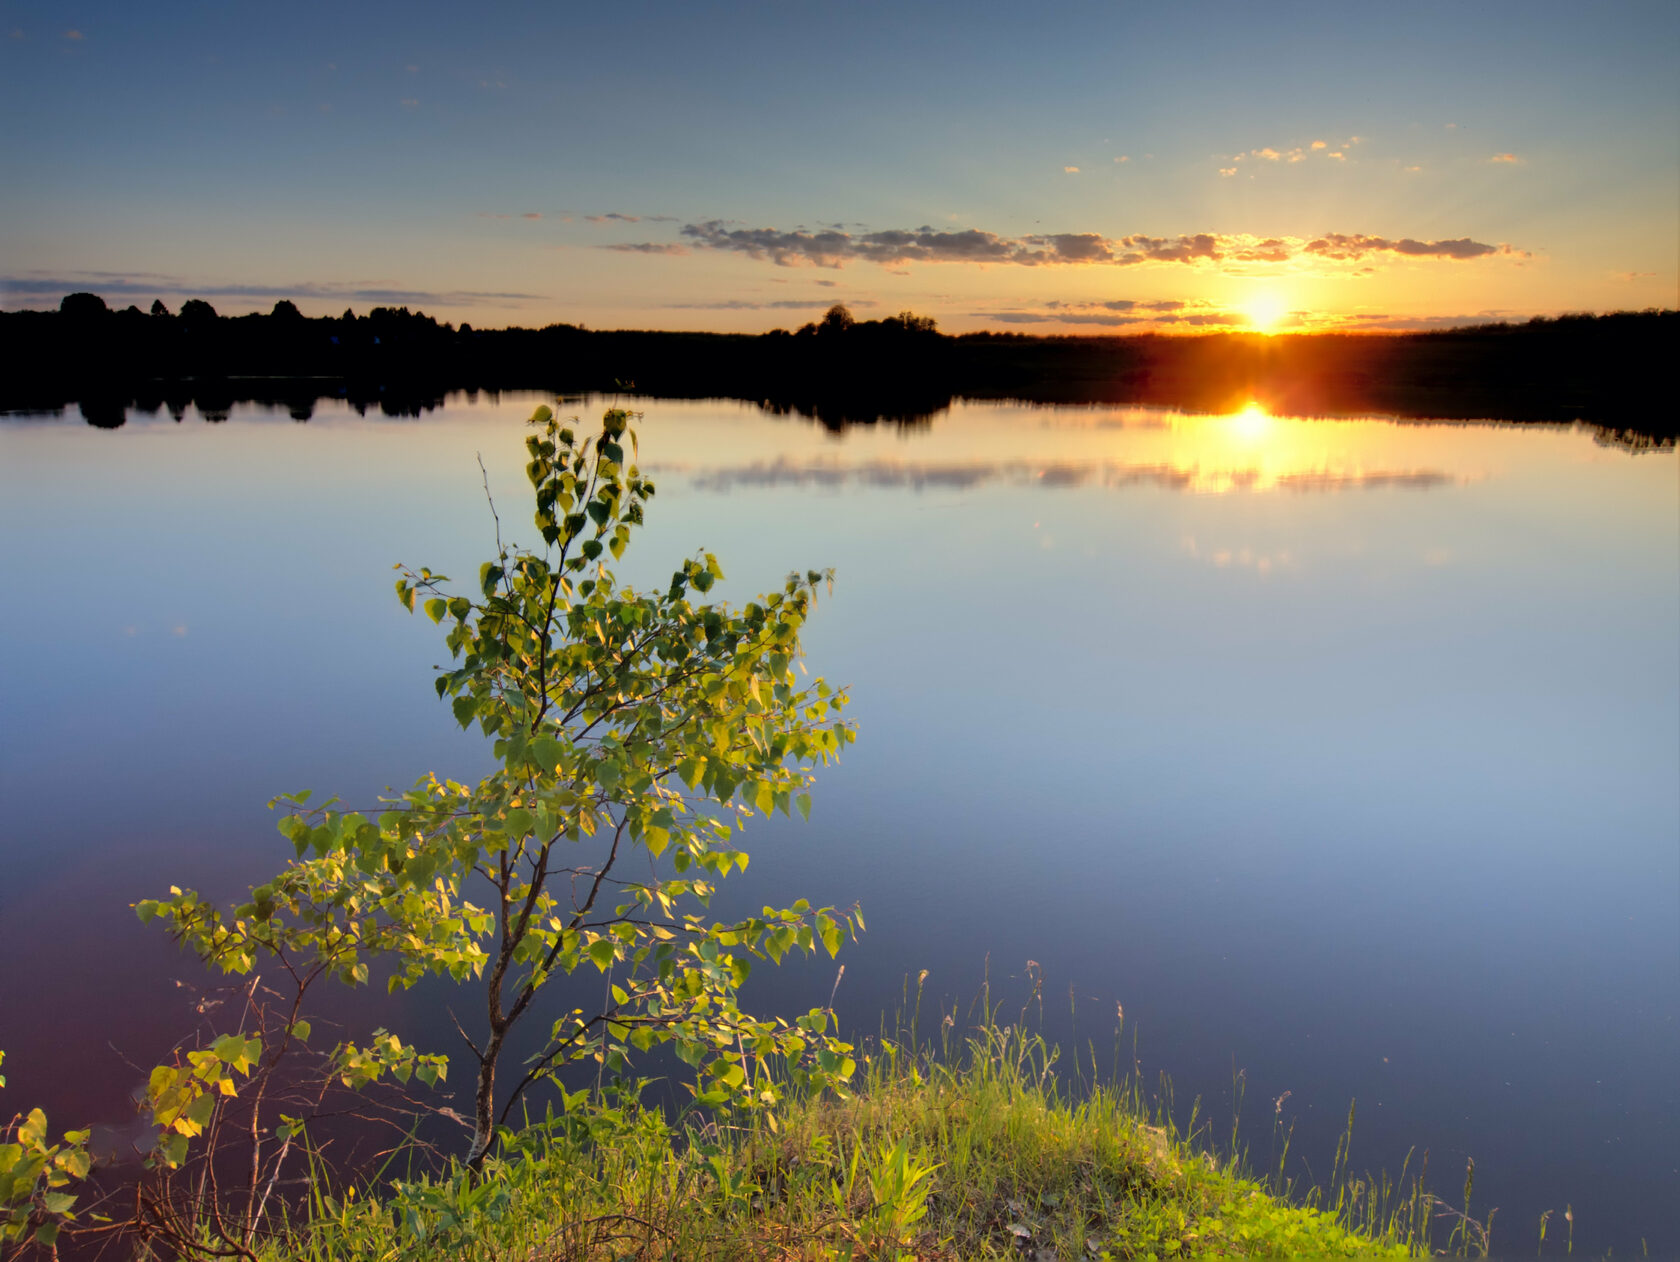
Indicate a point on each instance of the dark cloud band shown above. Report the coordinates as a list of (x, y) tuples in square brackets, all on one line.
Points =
[(834, 247), (148, 285)]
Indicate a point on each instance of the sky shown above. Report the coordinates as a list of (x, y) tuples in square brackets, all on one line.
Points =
[(1055, 168)]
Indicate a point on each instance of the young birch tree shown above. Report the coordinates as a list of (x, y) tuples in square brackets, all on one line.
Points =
[(625, 725)]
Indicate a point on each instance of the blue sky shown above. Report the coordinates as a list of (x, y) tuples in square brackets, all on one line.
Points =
[(1492, 158)]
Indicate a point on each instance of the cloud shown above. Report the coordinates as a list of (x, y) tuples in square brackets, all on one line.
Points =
[(834, 247), (74, 36), (1510, 159), (1269, 154), (1202, 319), (531, 214), (1162, 311), (1337, 246), (410, 102), (646, 247), (1299, 153), (1060, 317), (613, 217), (1403, 324), (784, 304), (1123, 158), (148, 285), (1070, 170)]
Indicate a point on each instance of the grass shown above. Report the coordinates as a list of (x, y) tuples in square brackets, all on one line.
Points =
[(973, 1152)]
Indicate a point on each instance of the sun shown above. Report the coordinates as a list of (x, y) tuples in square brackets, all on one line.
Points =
[(1265, 311)]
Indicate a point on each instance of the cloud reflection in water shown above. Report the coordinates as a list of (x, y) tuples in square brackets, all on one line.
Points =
[(787, 471)]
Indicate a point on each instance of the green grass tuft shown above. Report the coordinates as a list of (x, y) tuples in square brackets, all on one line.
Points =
[(974, 1156)]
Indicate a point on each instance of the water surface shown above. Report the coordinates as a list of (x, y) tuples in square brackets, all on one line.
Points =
[(1340, 753)]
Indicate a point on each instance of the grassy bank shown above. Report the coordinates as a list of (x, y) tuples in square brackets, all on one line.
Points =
[(979, 1155)]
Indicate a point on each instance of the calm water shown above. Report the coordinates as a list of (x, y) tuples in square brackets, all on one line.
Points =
[(1344, 754)]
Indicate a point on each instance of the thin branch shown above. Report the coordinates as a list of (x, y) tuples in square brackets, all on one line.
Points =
[(489, 499)]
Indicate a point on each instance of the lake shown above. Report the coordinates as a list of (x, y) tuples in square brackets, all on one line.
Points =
[(1343, 754)]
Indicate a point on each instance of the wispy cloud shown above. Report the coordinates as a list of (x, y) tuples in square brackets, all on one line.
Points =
[(835, 247), (1406, 324), (31, 287), (1070, 170), (1120, 313), (524, 214), (1508, 159), (1097, 318), (784, 304), (646, 247)]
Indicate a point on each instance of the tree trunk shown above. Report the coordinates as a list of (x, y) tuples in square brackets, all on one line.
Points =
[(484, 1102)]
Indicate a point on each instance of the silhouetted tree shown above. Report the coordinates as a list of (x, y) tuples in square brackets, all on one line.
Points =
[(196, 310), (910, 322), (285, 309), (837, 319), (158, 309), (82, 306)]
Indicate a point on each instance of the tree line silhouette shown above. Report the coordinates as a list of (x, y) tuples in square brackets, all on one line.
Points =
[(838, 370)]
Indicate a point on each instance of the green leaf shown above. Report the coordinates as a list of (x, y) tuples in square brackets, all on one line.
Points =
[(436, 607), (32, 1132), (602, 951)]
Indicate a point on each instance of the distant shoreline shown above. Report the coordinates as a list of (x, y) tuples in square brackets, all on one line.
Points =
[(1604, 370)]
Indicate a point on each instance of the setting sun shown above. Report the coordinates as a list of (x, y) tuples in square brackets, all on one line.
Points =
[(1265, 311)]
